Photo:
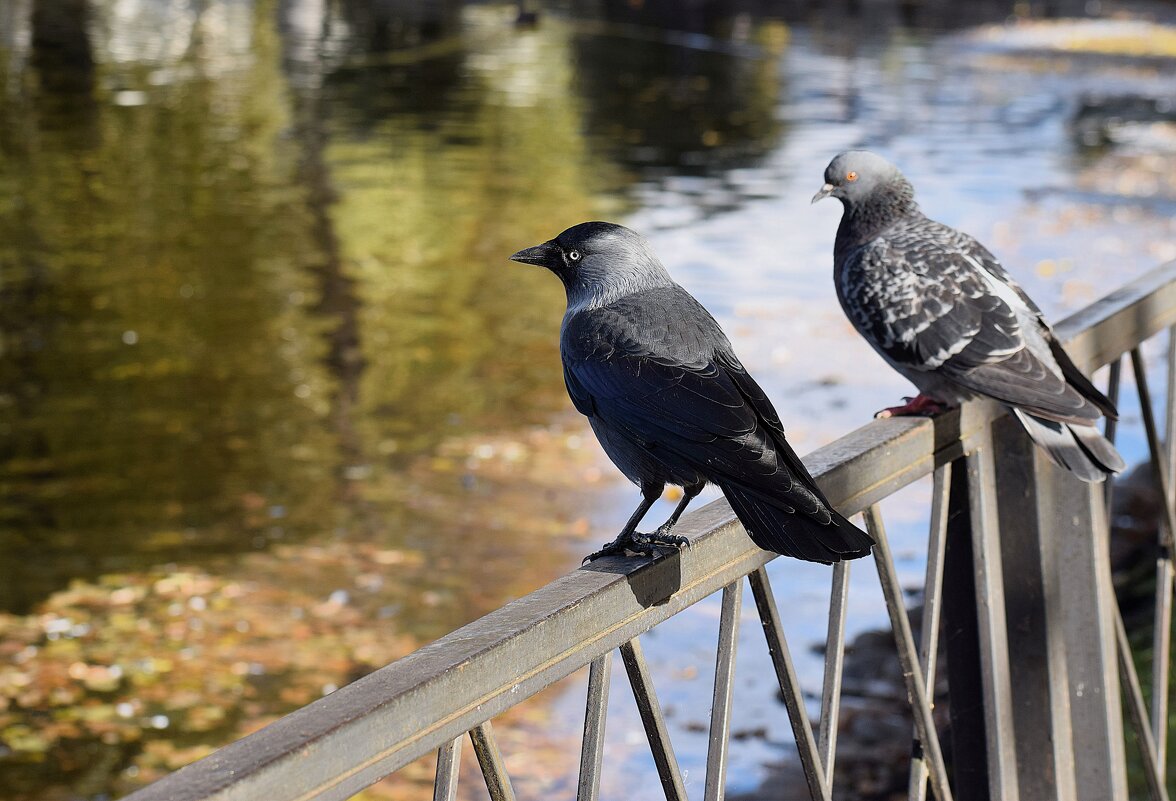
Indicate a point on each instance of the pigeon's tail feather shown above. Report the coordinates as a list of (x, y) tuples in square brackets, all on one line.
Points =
[(1076, 379), (796, 534), (1099, 448), (1080, 449)]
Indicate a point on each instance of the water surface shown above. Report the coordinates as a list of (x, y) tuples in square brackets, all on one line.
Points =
[(270, 390)]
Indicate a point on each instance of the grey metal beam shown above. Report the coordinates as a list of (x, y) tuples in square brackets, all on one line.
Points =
[(338, 745), (1077, 521), (806, 746), (1165, 575), (1162, 617), (448, 765), (969, 745), (490, 760), (1158, 459), (834, 662), (932, 606), (1037, 651), (908, 656), (1147, 746), (1110, 424), (990, 613), (653, 720), (595, 715), (720, 724)]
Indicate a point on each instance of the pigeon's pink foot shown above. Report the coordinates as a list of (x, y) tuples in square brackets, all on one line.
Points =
[(918, 406)]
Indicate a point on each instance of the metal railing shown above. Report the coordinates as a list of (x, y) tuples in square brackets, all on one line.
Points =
[(1035, 604)]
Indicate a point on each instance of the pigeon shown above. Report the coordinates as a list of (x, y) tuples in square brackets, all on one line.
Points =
[(943, 312), (672, 404)]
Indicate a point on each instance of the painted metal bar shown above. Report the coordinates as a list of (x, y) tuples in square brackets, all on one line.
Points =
[(1147, 745), (932, 606), (1114, 381), (1159, 463), (653, 720), (336, 746), (490, 760), (969, 747), (1031, 521), (595, 714), (720, 723), (1079, 539), (1161, 652), (810, 760), (1165, 577), (834, 662), (448, 765), (928, 737), (1162, 617), (990, 612), (1111, 425)]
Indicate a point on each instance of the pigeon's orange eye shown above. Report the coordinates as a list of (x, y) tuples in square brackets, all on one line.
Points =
[(851, 176)]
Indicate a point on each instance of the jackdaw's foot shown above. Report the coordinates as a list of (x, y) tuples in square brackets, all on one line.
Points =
[(640, 544), (918, 406)]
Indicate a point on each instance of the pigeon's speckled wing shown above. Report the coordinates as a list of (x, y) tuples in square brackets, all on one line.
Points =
[(656, 367), (930, 298)]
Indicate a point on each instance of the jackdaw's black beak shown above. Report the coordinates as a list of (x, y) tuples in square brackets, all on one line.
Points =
[(540, 254), (826, 190)]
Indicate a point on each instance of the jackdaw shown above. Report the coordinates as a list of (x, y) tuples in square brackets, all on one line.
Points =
[(944, 313), (671, 404)]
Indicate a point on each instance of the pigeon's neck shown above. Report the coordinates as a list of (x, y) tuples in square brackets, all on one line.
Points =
[(866, 219), (593, 292)]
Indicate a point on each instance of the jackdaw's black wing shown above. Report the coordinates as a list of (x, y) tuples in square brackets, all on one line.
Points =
[(931, 298), (655, 367)]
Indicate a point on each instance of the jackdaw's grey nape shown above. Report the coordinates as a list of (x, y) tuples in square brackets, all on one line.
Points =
[(671, 404), (944, 313)]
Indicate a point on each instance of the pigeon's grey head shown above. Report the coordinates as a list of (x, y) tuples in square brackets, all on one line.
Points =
[(857, 176), (598, 262)]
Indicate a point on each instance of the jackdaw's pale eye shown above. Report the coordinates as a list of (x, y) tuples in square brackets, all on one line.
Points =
[(671, 403)]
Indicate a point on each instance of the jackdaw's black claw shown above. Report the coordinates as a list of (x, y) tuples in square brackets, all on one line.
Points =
[(671, 403), (663, 537), (641, 544)]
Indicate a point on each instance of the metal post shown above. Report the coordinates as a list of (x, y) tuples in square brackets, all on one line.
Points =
[(1060, 606), (1037, 651), (981, 693), (969, 753)]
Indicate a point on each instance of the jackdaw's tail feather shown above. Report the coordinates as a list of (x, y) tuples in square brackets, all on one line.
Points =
[(796, 534), (1080, 449)]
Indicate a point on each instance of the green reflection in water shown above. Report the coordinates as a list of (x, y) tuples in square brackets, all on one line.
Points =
[(214, 327), (247, 299), (157, 332)]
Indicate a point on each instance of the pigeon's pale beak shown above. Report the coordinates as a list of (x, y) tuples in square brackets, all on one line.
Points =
[(540, 254), (826, 190)]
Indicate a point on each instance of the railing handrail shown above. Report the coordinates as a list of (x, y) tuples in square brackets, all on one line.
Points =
[(339, 744)]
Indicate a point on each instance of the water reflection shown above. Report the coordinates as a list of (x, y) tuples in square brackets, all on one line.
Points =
[(242, 309), (680, 101), (254, 298), (228, 295), (163, 358)]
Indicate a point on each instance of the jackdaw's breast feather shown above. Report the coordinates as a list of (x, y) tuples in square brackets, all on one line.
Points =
[(640, 365)]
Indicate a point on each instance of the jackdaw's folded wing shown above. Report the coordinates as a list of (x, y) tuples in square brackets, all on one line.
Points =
[(689, 407)]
